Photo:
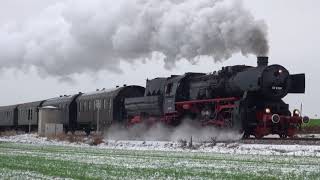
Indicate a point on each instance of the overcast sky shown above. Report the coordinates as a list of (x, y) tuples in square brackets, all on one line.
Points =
[(293, 27)]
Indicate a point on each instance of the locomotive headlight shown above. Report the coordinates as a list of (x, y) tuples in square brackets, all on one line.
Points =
[(296, 112), (268, 110), (205, 113), (280, 71)]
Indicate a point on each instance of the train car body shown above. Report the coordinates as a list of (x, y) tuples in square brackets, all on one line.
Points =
[(68, 107), (28, 115), (110, 109), (8, 117)]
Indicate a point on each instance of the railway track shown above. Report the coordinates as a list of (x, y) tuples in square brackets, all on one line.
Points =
[(279, 141)]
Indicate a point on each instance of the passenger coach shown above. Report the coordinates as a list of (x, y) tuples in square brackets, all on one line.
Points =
[(111, 106)]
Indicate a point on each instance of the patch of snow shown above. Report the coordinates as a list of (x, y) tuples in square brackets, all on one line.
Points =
[(309, 135), (37, 140)]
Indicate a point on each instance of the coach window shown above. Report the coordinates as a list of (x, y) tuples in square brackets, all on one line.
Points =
[(81, 106), (85, 106), (169, 88), (31, 114), (107, 103), (89, 105)]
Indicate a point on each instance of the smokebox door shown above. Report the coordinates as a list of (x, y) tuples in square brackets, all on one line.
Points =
[(297, 83)]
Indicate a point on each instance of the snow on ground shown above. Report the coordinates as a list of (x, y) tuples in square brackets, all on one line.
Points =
[(309, 135), (223, 148)]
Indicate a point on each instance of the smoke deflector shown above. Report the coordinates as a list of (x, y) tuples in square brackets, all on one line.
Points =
[(297, 83)]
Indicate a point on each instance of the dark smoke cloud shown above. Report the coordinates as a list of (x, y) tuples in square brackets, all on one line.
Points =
[(86, 36)]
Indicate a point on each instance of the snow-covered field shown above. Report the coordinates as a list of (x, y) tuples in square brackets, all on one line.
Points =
[(223, 148), (29, 156)]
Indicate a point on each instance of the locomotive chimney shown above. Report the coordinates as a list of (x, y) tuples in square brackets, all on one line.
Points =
[(262, 61)]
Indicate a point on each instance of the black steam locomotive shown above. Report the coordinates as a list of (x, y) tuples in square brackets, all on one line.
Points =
[(236, 97), (244, 97)]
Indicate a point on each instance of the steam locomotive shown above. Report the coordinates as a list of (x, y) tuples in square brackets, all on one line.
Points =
[(243, 97), (238, 97)]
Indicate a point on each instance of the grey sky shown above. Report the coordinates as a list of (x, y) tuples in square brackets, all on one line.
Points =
[(294, 43)]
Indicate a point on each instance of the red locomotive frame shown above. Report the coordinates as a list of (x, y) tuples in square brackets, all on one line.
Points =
[(286, 126)]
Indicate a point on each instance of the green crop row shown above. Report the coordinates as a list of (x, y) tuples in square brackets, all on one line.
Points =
[(21, 161)]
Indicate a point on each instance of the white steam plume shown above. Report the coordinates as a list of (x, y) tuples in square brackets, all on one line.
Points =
[(79, 36), (184, 131)]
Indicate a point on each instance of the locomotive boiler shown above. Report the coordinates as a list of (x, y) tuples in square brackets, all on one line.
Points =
[(238, 97)]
